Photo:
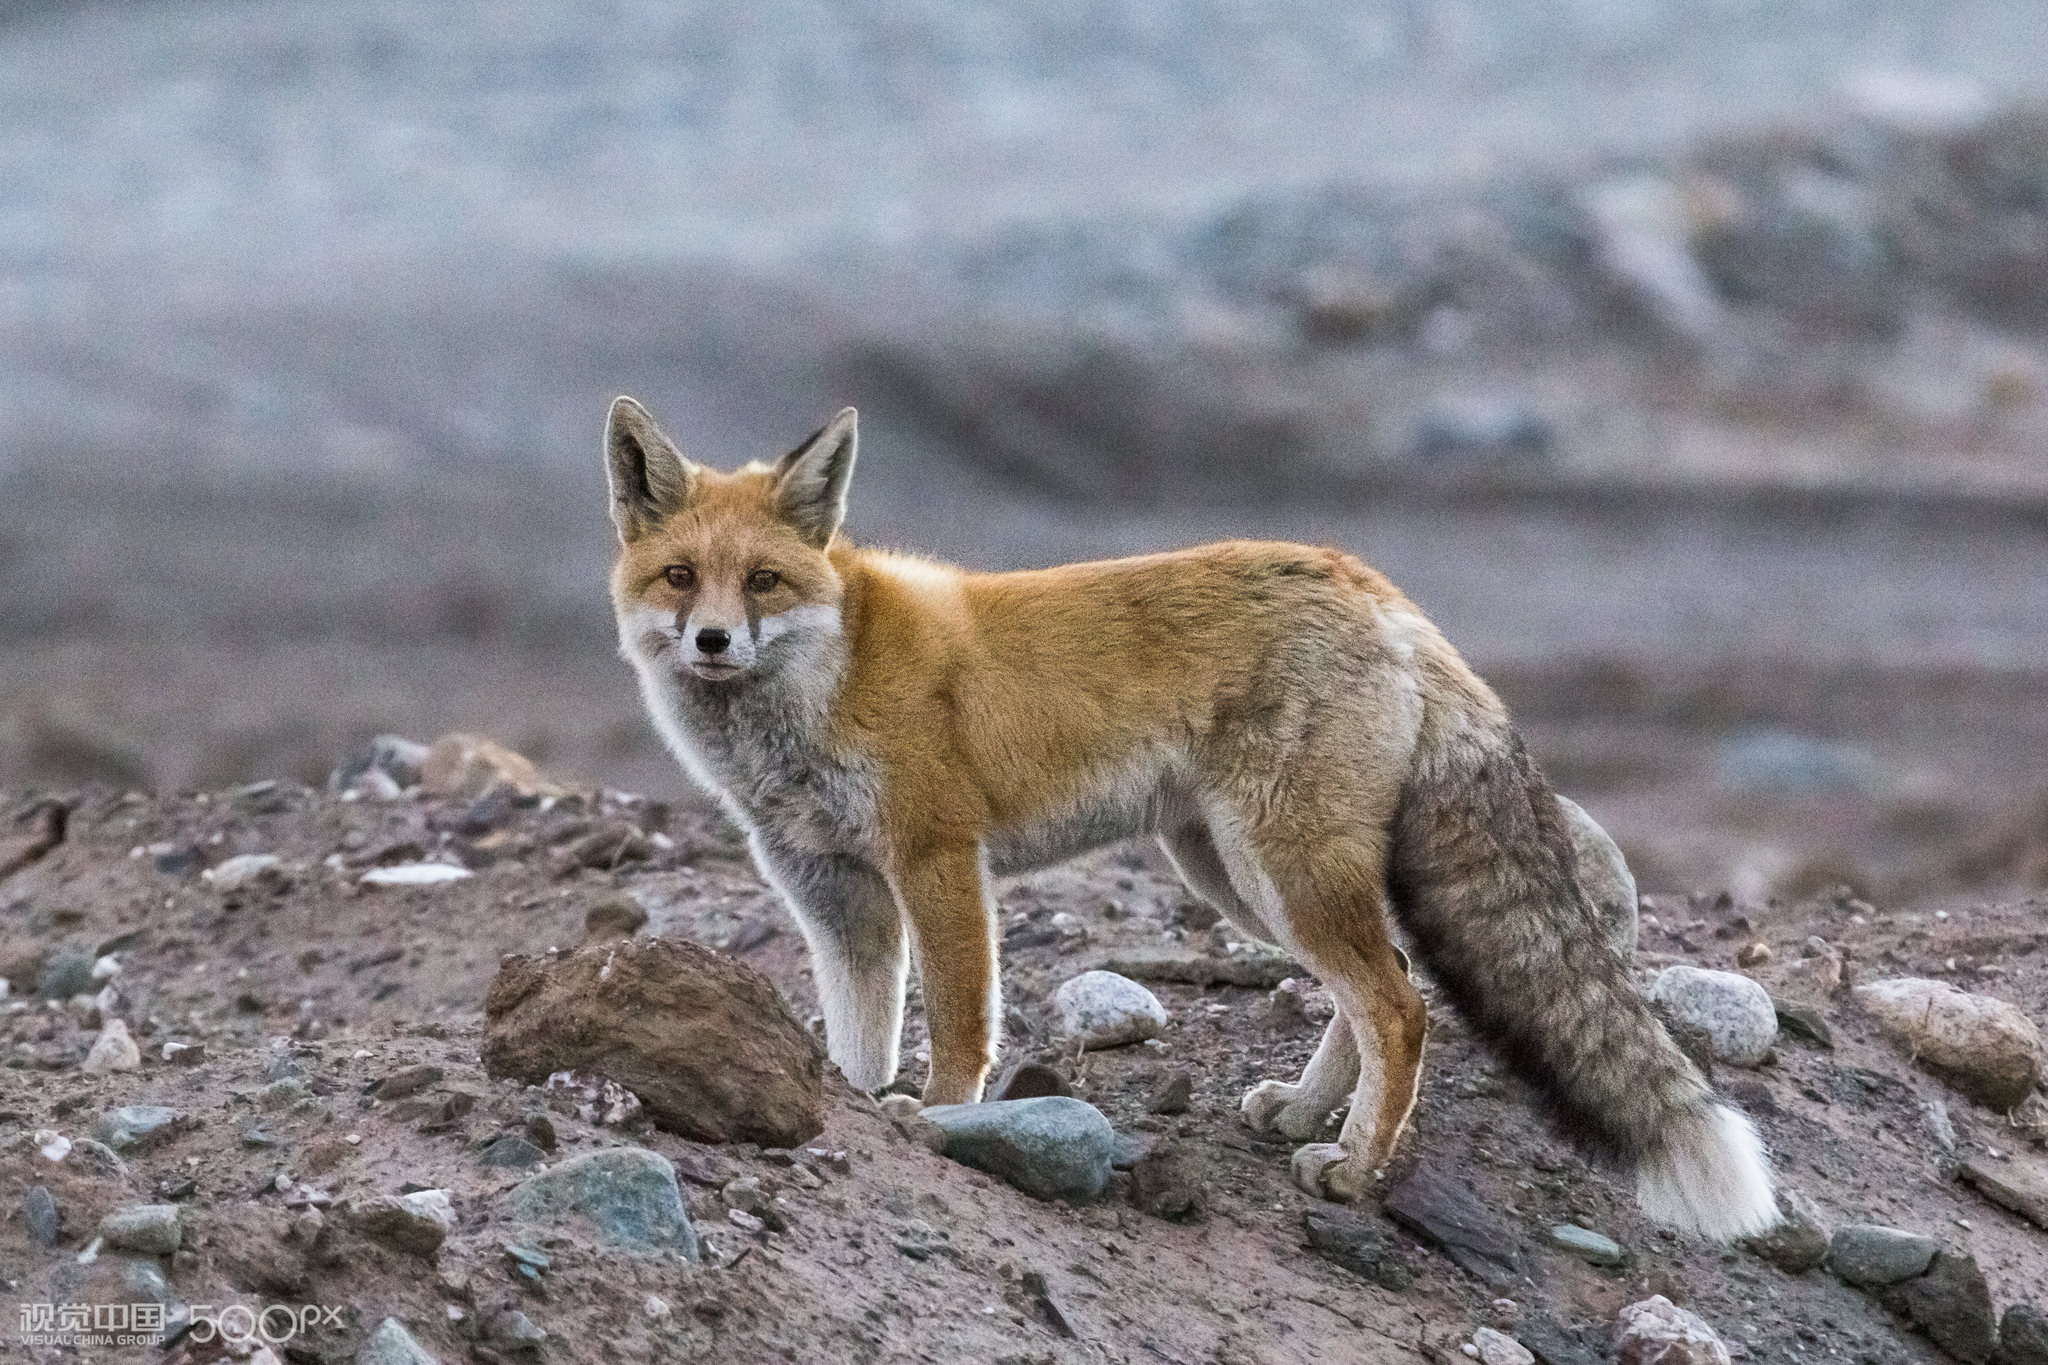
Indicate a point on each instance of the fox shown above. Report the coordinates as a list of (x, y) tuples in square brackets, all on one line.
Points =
[(1312, 755)]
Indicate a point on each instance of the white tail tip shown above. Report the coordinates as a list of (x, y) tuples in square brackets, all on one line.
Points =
[(1709, 1177)]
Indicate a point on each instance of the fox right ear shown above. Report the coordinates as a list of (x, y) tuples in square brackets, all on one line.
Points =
[(649, 476)]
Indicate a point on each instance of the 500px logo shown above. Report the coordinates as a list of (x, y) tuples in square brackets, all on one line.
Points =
[(237, 1323)]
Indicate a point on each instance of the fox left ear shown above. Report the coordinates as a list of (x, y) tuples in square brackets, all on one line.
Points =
[(813, 478), (648, 475)]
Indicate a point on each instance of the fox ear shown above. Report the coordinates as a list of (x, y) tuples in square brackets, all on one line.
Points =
[(813, 479), (649, 476)]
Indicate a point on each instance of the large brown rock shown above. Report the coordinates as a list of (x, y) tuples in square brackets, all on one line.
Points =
[(704, 1041)]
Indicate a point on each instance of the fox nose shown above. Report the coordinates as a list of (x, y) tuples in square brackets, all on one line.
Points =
[(712, 640)]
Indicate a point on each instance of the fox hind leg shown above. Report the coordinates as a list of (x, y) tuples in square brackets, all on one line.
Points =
[(1301, 1109)]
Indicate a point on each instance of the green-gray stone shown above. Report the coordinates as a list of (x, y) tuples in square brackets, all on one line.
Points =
[(1868, 1255), (1591, 1247), (1052, 1147), (627, 1194)]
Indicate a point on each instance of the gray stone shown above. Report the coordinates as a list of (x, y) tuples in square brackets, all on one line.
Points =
[(1984, 1047), (39, 1212), (415, 1224), (627, 1194), (152, 1229), (1439, 1207), (65, 973), (113, 1050), (1103, 1009), (1173, 1095), (1803, 1021), (2023, 1336), (1362, 1246), (1871, 1256), (2017, 1183), (93, 1155), (1657, 1331), (1591, 1247), (514, 1331), (383, 768), (1734, 1011), (1780, 763), (1604, 875), (1798, 1243), (1483, 427), (1257, 967), (511, 1152), (391, 1344), (134, 1127), (1055, 1147), (1952, 1305), (1172, 1182), (1028, 1081), (1498, 1348)]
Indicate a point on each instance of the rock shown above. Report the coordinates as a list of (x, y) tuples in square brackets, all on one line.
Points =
[(415, 1224), (1259, 968), (1871, 1256), (1657, 1331), (243, 871), (1780, 763), (1102, 1009), (1440, 1207), (1591, 1247), (613, 917), (2023, 1336), (514, 1331), (705, 1042), (511, 1152), (1753, 954), (1056, 1147), (408, 1081), (1554, 1345), (1173, 1095), (134, 1127), (1734, 1011), (1798, 1243), (1640, 228), (39, 1213), (1482, 427), (1983, 1047), (64, 973), (35, 835), (382, 769), (627, 1194), (469, 767), (2018, 1184), (1172, 1182), (1127, 1153), (1361, 1246), (1803, 1022), (1604, 875), (416, 874), (1498, 1348), (391, 1344), (151, 1229), (1952, 1305), (1029, 1081), (113, 1050), (184, 1054), (97, 1157)]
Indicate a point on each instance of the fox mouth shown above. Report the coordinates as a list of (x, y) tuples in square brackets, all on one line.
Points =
[(712, 670)]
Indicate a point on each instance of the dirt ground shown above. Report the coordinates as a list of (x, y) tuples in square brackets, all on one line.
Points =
[(307, 988)]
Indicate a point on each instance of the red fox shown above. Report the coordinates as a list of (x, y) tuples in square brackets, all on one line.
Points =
[(1310, 752)]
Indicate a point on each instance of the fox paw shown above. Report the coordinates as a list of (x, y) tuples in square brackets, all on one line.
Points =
[(1327, 1171), (1277, 1107)]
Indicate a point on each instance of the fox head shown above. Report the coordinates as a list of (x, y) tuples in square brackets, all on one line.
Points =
[(724, 577)]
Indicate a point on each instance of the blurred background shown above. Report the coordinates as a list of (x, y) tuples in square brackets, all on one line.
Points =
[(1686, 359)]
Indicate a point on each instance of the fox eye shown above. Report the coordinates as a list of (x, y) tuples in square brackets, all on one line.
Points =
[(680, 575), (763, 580)]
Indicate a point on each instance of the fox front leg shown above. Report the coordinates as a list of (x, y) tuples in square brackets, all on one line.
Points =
[(946, 903), (855, 933)]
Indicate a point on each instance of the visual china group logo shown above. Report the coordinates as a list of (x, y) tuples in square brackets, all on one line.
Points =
[(75, 1325)]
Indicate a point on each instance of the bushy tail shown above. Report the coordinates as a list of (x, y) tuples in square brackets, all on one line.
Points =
[(1481, 875)]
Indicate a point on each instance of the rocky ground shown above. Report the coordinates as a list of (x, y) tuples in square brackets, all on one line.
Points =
[(236, 1081)]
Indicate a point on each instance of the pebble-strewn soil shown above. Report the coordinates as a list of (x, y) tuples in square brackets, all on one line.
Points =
[(309, 989)]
